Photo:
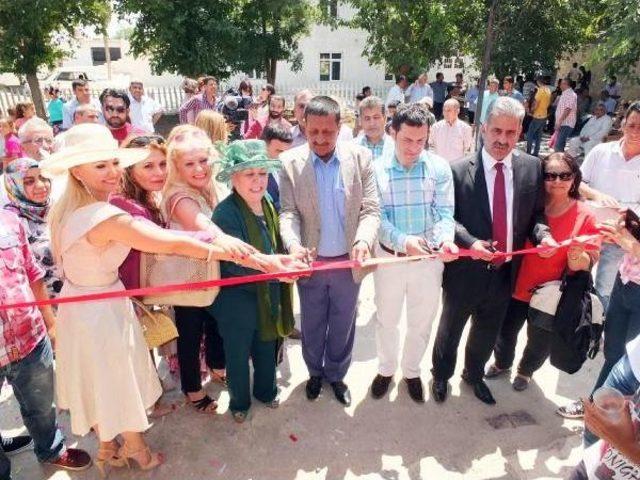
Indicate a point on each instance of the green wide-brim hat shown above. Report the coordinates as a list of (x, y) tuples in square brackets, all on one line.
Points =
[(242, 155)]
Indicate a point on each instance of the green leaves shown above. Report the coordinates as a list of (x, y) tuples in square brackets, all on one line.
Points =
[(219, 37)]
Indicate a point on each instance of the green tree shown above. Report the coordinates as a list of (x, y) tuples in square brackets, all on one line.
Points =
[(406, 35), (617, 32), (218, 37), (33, 34)]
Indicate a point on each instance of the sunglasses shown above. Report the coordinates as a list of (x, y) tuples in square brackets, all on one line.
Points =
[(552, 176), (111, 109), (145, 141)]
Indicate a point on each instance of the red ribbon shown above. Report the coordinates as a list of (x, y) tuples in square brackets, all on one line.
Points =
[(588, 242)]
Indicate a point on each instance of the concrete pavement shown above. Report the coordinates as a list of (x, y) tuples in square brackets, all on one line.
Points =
[(392, 438)]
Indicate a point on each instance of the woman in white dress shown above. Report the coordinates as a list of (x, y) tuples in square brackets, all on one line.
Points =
[(105, 376)]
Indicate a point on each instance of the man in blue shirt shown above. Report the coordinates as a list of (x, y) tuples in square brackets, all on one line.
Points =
[(329, 207), (439, 88), (416, 203), (373, 121)]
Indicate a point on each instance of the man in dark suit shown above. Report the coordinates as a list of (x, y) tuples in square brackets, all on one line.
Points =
[(499, 203)]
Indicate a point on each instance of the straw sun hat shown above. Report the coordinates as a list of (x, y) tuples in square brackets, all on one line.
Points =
[(89, 143), (242, 155)]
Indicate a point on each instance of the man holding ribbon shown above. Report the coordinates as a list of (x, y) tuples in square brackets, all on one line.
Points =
[(329, 205), (416, 200), (499, 204)]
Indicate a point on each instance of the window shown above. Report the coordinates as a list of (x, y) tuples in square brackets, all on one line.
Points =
[(448, 62), (459, 63), (329, 8), (99, 57), (330, 66), (388, 77)]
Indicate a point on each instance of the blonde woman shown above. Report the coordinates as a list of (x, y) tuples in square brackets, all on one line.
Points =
[(105, 376), (214, 125), (189, 198)]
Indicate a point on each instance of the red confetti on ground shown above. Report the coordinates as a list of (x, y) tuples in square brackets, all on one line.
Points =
[(293, 438)]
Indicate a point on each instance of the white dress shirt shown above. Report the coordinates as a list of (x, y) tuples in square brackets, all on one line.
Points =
[(417, 92), (488, 164), (451, 142), (141, 113), (606, 170), (396, 94)]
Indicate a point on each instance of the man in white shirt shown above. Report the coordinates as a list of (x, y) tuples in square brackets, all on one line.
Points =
[(419, 89), (614, 88), (451, 138), (593, 132), (373, 121), (144, 111), (397, 92), (611, 178)]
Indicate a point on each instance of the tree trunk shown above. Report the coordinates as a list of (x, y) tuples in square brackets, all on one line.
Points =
[(36, 94), (272, 63), (486, 60)]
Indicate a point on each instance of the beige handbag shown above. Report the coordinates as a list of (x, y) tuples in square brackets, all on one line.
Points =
[(157, 325), (158, 270)]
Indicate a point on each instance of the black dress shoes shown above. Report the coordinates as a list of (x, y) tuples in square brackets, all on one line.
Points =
[(380, 386), (415, 389), (439, 390), (314, 387), (341, 391), (482, 392)]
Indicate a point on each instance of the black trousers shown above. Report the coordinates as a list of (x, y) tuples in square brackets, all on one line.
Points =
[(538, 342), (486, 302), (437, 110), (193, 323)]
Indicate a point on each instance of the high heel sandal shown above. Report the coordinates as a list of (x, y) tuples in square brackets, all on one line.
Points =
[(108, 458), (155, 459)]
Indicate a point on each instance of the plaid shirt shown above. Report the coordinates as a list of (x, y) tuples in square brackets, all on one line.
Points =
[(418, 201), (376, 149), (196, 104), (21, 329)]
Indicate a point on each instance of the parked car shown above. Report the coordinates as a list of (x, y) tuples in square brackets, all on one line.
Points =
[(62, 78)]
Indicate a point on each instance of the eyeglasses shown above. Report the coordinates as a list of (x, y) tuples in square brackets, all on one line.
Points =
[(145, 141), (111, 109), (553, 176), (41, 140)]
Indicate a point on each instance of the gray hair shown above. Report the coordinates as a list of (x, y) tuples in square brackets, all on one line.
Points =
[(34, 124), (507, 107), (301, 93), (453, 102), (371, 103)]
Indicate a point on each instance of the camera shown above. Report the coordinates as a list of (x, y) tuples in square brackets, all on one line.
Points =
[(234, 109)]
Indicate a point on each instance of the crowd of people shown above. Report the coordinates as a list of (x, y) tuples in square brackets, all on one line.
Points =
[(90, 194)]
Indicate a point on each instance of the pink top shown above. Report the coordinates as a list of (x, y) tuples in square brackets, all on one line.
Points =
[(22, 329), (12, 147), (129, 271), (630, 269)]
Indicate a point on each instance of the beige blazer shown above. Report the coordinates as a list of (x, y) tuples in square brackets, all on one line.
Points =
[(299, 211)]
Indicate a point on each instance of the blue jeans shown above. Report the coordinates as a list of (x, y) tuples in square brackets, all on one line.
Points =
[(608, 266), (621, 325), (621, 378), (32, 382), (561, 138), (534, 135)]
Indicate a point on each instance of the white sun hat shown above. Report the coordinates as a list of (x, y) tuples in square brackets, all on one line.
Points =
[(90, 143)]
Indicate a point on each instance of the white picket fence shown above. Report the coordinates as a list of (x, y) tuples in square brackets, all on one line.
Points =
[(172, 97)]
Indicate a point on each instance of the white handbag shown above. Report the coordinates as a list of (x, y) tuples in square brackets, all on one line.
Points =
[(158, 270)]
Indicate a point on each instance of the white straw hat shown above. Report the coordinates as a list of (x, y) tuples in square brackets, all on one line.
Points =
[(89, 143)]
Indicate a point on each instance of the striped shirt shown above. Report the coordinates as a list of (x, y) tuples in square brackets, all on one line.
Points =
[(196, 104), (415, 201), (568, 101)]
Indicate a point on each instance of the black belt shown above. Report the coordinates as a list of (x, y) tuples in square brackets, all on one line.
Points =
[(392, 252)]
